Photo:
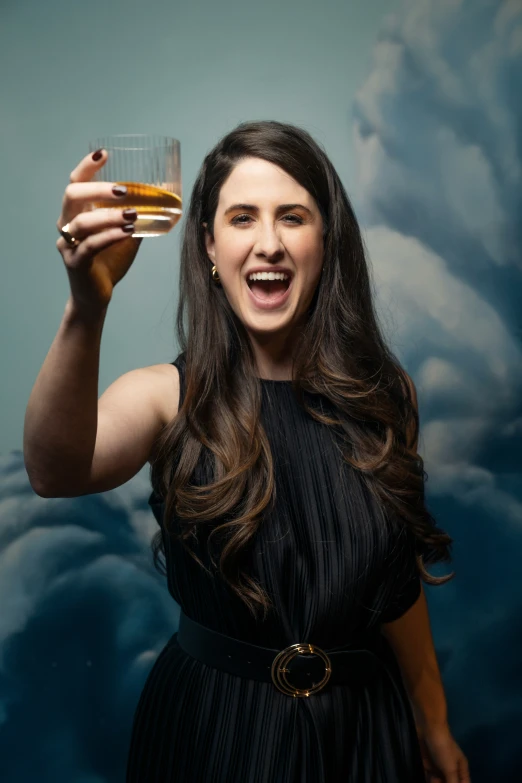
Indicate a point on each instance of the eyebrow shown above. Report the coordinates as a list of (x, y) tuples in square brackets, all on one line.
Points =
[(280, 208)]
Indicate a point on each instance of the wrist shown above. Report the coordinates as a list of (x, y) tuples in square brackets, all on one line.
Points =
[(75, 313), (434, 724)]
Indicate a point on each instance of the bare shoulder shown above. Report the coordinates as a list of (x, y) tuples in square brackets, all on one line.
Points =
[(165, 378)]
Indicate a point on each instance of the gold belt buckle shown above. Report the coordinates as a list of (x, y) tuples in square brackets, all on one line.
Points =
[(279, 670)]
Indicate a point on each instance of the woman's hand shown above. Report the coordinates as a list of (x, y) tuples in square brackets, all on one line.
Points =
[(106, 249), (444, 761)]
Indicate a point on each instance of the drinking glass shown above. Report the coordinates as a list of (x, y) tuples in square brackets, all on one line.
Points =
[(150, 167)]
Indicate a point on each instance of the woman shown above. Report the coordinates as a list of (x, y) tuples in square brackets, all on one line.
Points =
[(286, 480)]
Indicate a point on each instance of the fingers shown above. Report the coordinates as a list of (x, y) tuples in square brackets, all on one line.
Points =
[(101, 219), (88, 166), (96, 228), (80, 194), (75, 257), (95, 231), (464, 774)]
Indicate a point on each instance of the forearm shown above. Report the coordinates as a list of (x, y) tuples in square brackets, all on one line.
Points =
[(61, 416), (411, 640)]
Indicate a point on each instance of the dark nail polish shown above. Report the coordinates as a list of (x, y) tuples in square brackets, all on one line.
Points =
[(97, 155), (128, 227), (119, 190), (130, 214)]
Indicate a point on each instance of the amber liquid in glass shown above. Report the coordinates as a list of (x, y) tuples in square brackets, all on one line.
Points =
[(158, 210)]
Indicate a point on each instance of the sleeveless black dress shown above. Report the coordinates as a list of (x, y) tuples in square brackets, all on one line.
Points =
[(331, 573)]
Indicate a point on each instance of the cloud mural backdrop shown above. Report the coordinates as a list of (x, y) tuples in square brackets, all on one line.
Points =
[(84, 616), (437, 132)]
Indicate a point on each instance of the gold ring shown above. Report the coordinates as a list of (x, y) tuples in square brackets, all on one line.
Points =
[(279, 670), (72, 241)]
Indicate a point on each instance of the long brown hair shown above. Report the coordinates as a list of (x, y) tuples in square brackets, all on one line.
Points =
[(340, 355)]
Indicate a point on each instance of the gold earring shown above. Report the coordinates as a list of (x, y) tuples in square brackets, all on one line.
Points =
[(215, 275)]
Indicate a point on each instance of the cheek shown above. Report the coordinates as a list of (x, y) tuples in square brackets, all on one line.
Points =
[(309, 255), (232, 245), (308, 245)]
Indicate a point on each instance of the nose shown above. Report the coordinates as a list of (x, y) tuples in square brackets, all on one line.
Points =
[(267, 241)]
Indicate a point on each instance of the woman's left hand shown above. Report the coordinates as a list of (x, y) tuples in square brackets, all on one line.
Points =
[(444, 761)]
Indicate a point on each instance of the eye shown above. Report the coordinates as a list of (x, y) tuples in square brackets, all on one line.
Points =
[(242, 222)]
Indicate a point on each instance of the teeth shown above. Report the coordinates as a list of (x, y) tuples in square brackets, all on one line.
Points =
[(268, 276)]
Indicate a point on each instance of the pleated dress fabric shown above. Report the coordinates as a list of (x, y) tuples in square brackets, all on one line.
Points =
[(333, 569)]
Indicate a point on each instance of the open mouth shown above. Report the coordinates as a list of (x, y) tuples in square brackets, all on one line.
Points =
[(268, 294), (268, 289)]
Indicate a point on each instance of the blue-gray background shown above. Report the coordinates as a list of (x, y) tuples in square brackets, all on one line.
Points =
[(418, 105)]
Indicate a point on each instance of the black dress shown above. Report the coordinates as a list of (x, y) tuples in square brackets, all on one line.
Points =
[(331, 573)]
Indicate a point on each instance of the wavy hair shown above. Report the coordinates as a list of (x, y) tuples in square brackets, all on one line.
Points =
[(340, 355)]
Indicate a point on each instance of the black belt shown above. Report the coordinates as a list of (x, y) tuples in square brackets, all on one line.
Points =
[(310, 667)]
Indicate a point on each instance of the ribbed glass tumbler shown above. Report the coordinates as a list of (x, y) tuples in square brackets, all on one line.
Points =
[(150, 168)]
